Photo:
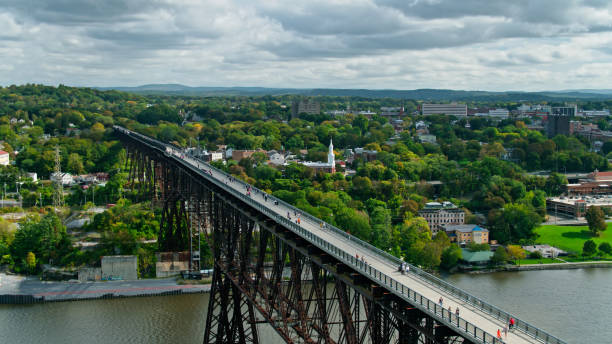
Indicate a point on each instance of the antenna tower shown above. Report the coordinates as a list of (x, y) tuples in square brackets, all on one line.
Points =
[(58, 188)]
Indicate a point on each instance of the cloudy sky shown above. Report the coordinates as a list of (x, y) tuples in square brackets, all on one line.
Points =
[(401, 44)]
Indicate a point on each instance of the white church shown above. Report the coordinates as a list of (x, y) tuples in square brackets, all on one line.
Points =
[(329, 166)]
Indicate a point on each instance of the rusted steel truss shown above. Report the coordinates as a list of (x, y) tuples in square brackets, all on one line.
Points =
[(264, 273)]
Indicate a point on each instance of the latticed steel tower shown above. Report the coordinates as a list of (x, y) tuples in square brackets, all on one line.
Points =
[(58, 188)]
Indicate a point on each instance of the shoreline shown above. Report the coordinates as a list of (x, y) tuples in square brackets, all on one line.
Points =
[(549, 266), (27, 290)]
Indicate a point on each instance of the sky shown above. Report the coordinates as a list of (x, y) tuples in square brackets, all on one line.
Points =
[(376, 44)]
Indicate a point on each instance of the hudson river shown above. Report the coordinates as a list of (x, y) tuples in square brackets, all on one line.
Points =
[(574, 305)]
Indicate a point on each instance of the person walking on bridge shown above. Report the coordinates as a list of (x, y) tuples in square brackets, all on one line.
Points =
[(441, 302)]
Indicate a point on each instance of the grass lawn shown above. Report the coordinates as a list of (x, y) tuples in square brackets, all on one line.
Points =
[(529, 261), (570, 238)]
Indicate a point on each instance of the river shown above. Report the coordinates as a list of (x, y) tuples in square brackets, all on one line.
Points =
[(572, 304)]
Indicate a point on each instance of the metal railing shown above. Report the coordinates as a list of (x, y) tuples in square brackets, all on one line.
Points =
[(442, 315)]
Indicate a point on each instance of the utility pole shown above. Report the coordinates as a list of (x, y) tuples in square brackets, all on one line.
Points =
[(58, 189)]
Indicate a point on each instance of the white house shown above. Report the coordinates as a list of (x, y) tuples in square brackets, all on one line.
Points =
[(277, 159), (66, 178), (4, 158)]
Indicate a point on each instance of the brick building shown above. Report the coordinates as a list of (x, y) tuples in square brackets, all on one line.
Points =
[(438, 214)]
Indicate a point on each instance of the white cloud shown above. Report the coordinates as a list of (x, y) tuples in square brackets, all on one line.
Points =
[(468, 44)]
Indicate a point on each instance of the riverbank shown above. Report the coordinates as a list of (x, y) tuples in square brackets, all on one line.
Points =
[(547, 266), (24, 290)]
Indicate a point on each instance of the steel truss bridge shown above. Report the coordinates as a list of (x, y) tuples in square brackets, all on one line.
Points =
[(303, 279)]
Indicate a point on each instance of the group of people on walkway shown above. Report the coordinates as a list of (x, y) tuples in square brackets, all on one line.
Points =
[(403, 268), (362, 259), (509, 326)]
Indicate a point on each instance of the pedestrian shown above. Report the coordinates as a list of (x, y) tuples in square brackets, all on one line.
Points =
[(511, 323), (457, 312), (401, 268), (407, 267), (299, 221), (505, 330), (357, 256), (499, 334), (441, 302)]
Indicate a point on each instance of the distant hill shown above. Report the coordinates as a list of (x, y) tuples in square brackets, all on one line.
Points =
[(420, 94)]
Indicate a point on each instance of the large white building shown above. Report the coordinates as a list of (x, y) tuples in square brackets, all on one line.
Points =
[(444, 109)]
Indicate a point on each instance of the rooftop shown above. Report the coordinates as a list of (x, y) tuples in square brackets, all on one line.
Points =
[(464, 228), (479, 256)]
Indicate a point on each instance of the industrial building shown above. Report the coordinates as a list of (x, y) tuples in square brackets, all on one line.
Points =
[(444, 109)]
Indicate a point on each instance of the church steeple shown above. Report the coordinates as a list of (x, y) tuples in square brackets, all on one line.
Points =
[(331, 159)]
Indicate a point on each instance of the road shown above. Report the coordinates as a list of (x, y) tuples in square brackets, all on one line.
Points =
[(19, 285), (468, 312)]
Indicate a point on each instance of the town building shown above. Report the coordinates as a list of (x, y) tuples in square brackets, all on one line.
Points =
[(576, 206), (33, 176), (479, 258), (570, 110), (466, 233), (239, 154), (169, 264), (437, 214), (361, 153), (308, 106), (444, 109), (212, 156), (119, 267), (546, 251), (5, 159), (499, 113), (590, 131), (63, 177), (427, 138), (557, 124), (391, 111), (594, 113), (329, 166), (527, 110), (276, 158)]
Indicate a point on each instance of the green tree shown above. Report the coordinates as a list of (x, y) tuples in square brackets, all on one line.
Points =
[(75, 164), (450, 257), (589, 248), (515, 222), (605, 247), (596, 219), (500, 256)]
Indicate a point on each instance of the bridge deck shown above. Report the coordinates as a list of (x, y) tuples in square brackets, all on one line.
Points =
[(470, 313), (421, 289)]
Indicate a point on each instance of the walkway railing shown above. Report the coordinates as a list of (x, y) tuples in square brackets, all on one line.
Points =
[(442, 315)]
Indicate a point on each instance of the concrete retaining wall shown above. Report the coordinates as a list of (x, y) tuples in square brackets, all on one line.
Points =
[(29, 299)]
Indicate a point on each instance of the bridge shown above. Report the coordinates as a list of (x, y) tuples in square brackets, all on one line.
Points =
[(312, 282)]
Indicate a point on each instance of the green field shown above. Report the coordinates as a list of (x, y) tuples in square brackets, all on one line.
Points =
[(530, 261), (570, 238)]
